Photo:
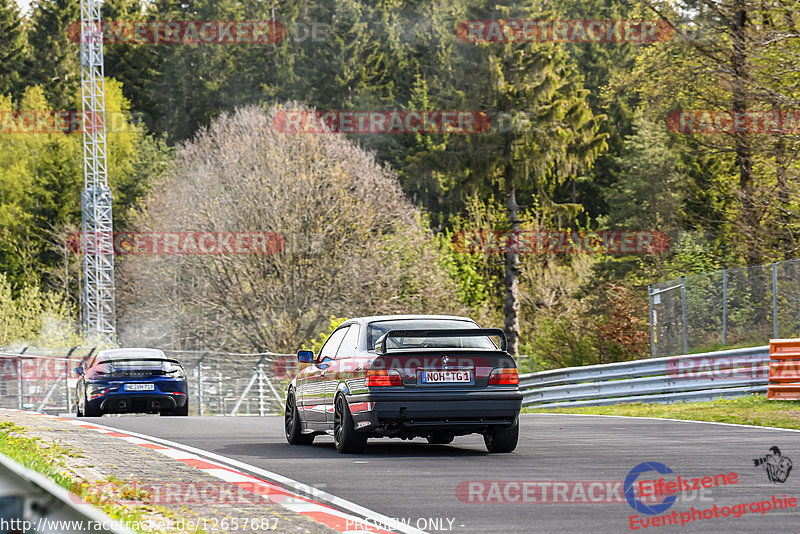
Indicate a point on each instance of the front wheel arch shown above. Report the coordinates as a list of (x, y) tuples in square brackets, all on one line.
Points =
[(293, 426)]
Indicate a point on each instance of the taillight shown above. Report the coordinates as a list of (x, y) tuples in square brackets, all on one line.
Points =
[(381, 378), (504, 377)]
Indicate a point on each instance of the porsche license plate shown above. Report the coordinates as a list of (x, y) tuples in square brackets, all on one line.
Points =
[(139, 387), (445, 377)]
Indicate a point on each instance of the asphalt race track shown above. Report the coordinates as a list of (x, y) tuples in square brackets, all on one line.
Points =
[(418, 482)]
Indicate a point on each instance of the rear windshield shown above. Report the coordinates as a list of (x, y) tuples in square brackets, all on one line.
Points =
[(378, 328)]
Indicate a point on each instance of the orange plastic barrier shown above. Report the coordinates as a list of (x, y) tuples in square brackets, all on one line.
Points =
[(784, 369)]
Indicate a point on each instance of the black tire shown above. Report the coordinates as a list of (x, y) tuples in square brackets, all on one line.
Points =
[(440, 439), (293, 426), (345, 437), (89, 412), (181, 411), (502, 439)]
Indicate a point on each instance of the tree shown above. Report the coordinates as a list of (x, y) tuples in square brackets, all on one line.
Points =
[(552, 137), (54, 62), (41, 178), (12, 48), (352, 244), (647, 192), (739, 58)]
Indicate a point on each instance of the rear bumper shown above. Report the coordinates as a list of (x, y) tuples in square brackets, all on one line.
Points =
[(138, 403), (422, 412), (166, 394)]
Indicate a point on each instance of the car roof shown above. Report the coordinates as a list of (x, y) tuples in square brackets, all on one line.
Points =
[(374, 318)]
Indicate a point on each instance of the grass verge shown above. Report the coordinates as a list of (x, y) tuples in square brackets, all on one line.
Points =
[(747, 410), (118, 499)]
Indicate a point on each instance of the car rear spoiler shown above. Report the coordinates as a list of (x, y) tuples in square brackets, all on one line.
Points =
[(169, 360), (444, 332)]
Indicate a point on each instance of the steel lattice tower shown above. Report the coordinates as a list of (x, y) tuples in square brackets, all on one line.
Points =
[(98, 254)]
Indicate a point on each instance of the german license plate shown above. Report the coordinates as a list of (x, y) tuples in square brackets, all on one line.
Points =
[(445, 377), (139, 387)]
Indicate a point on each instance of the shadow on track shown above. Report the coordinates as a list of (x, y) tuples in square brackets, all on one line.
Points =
[(323, 448)]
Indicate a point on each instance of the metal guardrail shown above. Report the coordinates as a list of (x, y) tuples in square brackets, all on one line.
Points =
[(253, 384), (694, 377), (219, 383), (31, 502)]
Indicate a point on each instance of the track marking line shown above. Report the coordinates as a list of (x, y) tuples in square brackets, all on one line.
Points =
[(324, 508), (668, 419)]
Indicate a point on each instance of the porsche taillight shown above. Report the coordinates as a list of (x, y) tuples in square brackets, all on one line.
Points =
[(383, 378), (505, 376)]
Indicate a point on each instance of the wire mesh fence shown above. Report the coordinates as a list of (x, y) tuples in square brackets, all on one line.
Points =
[(732, 307), (219, 383)]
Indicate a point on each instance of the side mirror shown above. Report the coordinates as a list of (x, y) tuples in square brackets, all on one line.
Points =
[(305, 356), (78, 370)]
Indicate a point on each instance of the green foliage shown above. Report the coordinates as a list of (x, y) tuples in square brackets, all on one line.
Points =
[(41, 178), (473, 289), (120, 500), (316, 343), (588, 138), (745, 410), (54, 61), (646, 194), (35, 318), (12, 48), (31, 453)]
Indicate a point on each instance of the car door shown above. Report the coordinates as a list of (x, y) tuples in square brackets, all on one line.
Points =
[(314, 398), (340, 368)]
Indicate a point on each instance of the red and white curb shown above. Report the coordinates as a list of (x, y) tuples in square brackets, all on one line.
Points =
[(274, 491)]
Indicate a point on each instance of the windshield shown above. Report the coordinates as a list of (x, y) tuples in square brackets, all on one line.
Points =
[(378, 328)]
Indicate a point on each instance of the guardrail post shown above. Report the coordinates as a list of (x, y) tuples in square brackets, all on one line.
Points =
[(19, 378), (724, 306), (683, 313), (200, 384), (775, 300), (260, 388), (49, 394), (274, 392), (247, 389), (67, 372), (652, 321)]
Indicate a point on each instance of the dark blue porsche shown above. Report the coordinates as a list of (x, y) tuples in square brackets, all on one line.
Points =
[(131, 381)]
